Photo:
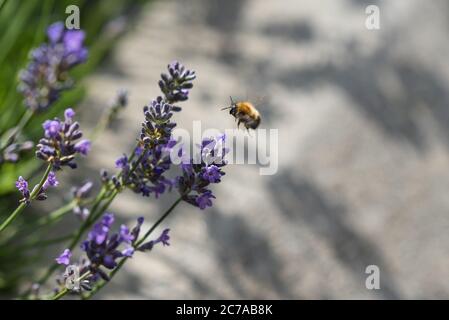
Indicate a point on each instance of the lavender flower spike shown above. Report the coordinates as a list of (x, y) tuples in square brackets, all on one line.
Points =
[(79, 194), (59, 146), (176, 84), (46, 76)]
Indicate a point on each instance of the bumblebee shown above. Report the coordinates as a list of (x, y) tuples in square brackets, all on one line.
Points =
[(244, 112)]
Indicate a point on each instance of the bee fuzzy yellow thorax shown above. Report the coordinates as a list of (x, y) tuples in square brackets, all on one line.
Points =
[(246, 107), (245, 113)]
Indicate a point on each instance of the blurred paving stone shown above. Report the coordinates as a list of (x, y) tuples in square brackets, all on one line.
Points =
[(363, 151)]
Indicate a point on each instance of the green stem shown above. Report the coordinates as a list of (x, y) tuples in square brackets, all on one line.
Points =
[(88, 222), (158, 222), (22, 206), (55, 215), (100, 127), (136, 245)]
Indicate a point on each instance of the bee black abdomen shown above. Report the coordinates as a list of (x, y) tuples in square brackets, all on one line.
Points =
[(255, 123)]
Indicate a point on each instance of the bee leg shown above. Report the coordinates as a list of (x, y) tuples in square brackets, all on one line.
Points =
[(238, 124)]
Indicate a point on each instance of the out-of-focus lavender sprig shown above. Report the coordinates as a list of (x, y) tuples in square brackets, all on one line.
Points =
[(60, 145), (43, 80), (12, 151), (176, 84), (79, 194), (46, 76), (203, 170), (119, 102)]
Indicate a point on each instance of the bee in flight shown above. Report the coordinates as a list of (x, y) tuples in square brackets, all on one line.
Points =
[(244, 112)]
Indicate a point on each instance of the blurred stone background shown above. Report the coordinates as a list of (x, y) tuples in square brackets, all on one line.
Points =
[(363, 119)]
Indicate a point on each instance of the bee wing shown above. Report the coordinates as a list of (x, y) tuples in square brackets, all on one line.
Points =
[(260, 100)]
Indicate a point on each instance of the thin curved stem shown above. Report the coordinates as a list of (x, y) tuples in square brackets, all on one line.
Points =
[(55, 215), (158, 222), (22, 206)]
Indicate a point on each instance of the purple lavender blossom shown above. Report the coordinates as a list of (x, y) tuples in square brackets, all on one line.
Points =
[(212, 174), (46, 76), (73, 42), (51, 128), (125, 234), (163, 238), (64, 257), (22, 186), (12, 151), (83, 147), (204, 200), (154, 153), (202, 171), (128, 252), (157, 127), (79, 194), (102, 248), (108, 220), (83, 191), (122, 162), (59, 145), (51, 181), (100, 231), (176, 84), (136, 230), (55, 32), (69, 114)]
